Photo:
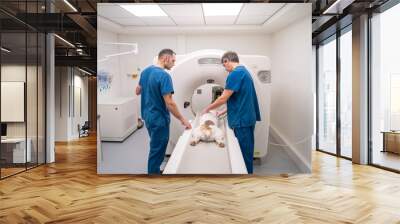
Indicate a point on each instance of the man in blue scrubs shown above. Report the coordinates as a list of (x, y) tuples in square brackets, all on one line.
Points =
[(156, 89), (242, 105)]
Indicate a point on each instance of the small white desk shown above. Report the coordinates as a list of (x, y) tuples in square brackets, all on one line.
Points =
[(19, 149)]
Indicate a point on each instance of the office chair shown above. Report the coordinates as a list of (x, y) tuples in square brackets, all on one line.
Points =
[(84, 130)]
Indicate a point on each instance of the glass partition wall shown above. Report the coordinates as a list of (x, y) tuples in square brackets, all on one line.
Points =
[(346, 93), (13, 90), (22, 77), (334, 94), (385, 90), (334, 84), (327, 95)]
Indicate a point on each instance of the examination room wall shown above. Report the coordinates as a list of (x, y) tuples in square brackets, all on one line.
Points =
[(287, 43), (296, 108), (105, 40), (292, 99), (150, 45)]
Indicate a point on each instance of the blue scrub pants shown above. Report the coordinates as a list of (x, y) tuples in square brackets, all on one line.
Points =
[(159, 136), (245, 136)]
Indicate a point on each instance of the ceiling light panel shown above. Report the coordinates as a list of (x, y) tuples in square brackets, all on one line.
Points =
[(221, 9), (111, 11), (257, 13), (144, 10), (184, 14), (220, 20)]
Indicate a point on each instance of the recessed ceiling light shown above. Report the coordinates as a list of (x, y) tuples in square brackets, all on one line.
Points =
[(70, 5), (84, 71), (144, 10), (5, 50), (64, 40), (337, 7), (221, 9)]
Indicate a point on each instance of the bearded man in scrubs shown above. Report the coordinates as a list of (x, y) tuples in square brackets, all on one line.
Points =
[(242, 105), (156, 89)]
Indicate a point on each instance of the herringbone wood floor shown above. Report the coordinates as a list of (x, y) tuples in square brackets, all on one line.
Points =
[(70, 191)]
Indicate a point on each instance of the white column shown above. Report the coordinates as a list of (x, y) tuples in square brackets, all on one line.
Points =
[(360, 90), (50, 99)]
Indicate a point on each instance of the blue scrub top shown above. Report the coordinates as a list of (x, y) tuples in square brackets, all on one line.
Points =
[(243, 110), (155, 83)]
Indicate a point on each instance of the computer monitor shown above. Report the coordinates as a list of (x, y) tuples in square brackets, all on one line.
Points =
[(3, 129)]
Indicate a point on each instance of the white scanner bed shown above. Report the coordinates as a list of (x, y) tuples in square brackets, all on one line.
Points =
[(206, 157)]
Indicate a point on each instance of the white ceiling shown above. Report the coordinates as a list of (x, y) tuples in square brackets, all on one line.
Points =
[(189, 18), (189, 14)]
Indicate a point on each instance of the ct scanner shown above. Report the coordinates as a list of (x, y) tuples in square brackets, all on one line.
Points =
[(198, 79)]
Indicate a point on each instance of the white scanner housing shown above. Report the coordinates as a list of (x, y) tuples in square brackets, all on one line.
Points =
[(197, 78)]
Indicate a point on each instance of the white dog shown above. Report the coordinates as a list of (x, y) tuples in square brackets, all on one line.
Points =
[(208, 130)]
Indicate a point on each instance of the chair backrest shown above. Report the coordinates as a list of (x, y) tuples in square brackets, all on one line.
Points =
[(86, 125)]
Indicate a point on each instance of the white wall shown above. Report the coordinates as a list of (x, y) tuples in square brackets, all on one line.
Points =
[(15, 72), (34, 124), (112, 64), (292, 88), (79, 117), (82, 82), (62, 81), (150, 45), (66, 122)]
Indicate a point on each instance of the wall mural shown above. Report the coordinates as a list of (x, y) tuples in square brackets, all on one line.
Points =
[(104, 81)]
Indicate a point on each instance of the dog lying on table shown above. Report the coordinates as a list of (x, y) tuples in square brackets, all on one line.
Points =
[(208, 130)]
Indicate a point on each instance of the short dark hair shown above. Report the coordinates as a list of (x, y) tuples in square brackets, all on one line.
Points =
[(165, 51), (230, 56)]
